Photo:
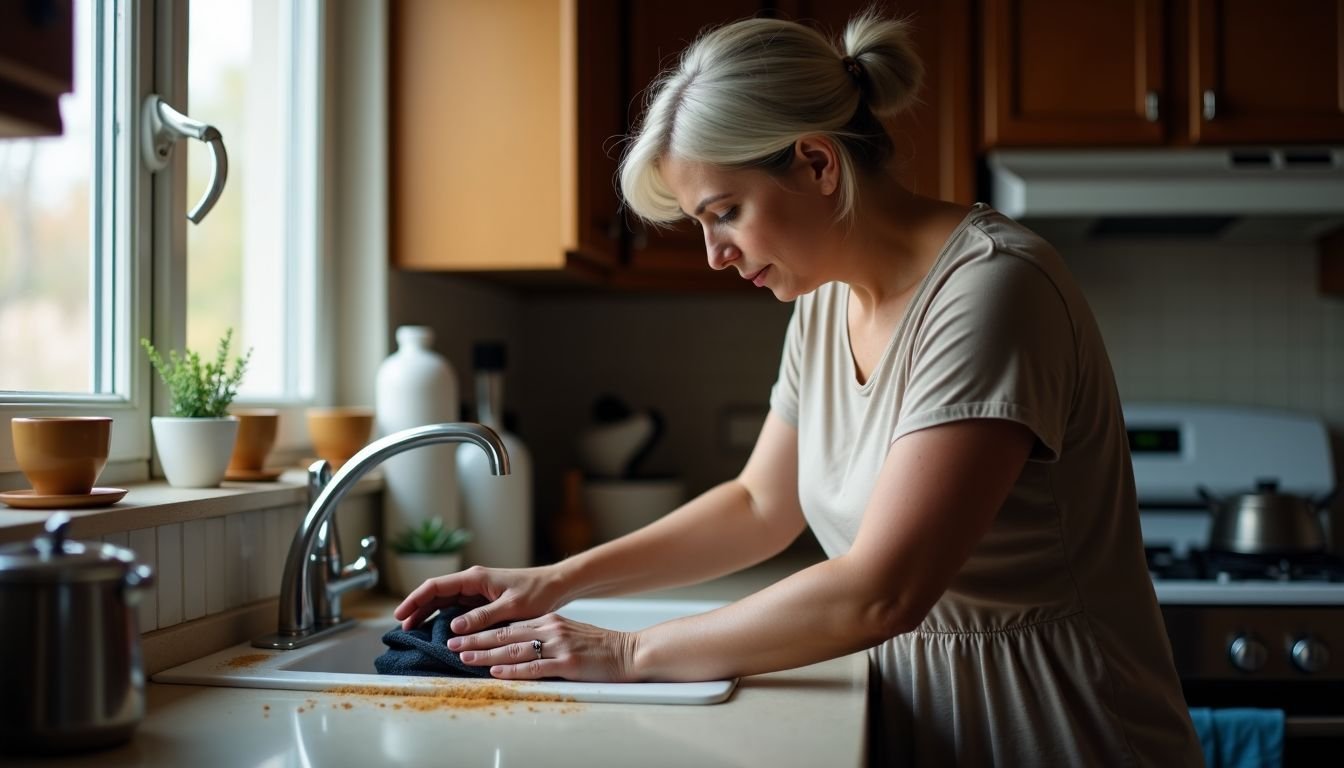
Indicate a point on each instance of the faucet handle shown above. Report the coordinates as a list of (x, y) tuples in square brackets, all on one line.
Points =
[(363, 565), (319, 474), (367, 546)]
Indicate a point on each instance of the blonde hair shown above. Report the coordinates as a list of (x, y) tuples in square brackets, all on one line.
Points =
[(744, 93)]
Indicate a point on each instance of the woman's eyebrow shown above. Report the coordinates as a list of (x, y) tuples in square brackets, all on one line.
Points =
[(699, 209)]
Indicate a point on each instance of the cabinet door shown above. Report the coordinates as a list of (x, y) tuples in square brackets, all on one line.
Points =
[(935, 154), (1266, 72), (1069, 73), (658, 31), (486, 151), (601, 118), (36, 65)]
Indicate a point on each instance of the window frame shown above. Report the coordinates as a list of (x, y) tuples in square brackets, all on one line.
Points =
[(140, 218), (119, 284)]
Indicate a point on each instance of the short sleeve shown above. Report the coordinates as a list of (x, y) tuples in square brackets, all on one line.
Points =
[(997, 342), (784, 395)]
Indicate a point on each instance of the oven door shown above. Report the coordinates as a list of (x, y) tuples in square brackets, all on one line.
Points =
[(1202, 647)]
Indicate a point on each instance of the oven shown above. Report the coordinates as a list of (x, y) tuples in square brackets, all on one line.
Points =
[(1247, 629)]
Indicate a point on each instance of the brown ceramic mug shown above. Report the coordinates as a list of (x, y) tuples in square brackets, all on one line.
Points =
[(256, 437), (339, 433), (61, 455)]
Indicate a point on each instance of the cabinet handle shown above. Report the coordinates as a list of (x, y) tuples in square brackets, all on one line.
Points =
[(1150, 106), (1210, 104)]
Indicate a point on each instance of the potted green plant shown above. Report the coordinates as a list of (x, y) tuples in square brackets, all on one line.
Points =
[(421, 552), (195, 441)]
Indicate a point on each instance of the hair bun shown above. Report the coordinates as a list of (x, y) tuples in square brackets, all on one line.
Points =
[(891, 72)]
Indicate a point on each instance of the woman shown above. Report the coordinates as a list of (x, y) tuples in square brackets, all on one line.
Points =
[(945, 419)]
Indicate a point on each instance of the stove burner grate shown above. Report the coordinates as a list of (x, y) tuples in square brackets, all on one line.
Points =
[(1214, 565)]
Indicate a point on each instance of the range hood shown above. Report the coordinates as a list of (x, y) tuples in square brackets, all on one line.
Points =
[(1250, 194)]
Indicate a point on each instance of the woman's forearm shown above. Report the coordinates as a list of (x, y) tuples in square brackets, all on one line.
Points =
[(721, 531), (818, 613)]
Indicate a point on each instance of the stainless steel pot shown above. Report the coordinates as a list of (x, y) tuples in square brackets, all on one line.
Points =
[(70, 672), (1265, 521)]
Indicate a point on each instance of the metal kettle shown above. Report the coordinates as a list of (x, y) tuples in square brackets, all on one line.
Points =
[(70, 668), (1266, 521)]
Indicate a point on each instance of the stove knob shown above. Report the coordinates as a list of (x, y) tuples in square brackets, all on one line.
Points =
[(1247, 653), (1310, 655)]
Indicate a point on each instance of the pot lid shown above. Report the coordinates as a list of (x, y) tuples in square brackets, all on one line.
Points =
[(50, 558)]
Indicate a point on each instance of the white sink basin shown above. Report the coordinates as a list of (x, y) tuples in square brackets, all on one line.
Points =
[(345, 660)]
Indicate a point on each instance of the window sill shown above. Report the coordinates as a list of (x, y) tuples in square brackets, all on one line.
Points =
[(156, 503)]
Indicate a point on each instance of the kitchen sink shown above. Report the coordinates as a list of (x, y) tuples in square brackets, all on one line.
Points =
[(345, 662)]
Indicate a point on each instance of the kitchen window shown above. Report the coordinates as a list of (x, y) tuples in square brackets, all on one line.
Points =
[(96, 251)]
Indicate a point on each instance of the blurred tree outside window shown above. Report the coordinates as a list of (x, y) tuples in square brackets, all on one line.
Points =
[(46, 323)]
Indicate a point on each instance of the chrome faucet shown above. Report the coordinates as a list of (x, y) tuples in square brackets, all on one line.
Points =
[(315, 579)]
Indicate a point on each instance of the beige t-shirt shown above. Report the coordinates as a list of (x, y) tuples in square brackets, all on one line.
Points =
[(1048, 646)]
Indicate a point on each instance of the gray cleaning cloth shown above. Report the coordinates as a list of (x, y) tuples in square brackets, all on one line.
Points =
[(423, 651)]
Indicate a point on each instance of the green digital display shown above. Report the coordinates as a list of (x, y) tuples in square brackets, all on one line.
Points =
[(1151, 440)]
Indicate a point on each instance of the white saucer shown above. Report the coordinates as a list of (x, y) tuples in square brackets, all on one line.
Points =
[(30, 499)]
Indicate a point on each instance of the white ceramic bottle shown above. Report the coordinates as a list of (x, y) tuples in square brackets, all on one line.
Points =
[(497, 510), (417, 386)]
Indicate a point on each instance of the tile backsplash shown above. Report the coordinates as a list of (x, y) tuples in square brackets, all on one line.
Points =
[(1235, 324), (210, 565)]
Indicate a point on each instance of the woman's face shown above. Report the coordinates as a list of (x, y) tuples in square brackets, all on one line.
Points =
[(773, 229)]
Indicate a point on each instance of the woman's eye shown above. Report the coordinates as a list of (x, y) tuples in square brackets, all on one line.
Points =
[(727, 216)]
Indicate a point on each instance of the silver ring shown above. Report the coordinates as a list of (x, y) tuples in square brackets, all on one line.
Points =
[(536, 646)]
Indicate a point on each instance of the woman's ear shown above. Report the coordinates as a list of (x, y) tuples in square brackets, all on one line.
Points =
[(817, 162)]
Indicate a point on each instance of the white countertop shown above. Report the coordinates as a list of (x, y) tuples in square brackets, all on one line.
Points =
[(805, 717)]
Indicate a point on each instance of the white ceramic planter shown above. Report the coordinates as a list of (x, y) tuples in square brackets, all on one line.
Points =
[(194, 452), (406, 572)]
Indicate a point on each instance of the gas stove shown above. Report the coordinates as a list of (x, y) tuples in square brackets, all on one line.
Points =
[(1246, 630)]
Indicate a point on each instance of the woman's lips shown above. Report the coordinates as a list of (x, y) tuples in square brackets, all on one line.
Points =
[(758, 279)]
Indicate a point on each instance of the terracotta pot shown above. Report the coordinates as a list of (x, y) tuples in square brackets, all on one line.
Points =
[(339, 433), (61, 455)]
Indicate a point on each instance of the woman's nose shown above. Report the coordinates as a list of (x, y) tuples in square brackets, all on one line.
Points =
[(721, 253)]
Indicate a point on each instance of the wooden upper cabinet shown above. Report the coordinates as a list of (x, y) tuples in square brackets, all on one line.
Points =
[(1145, 72), (658, 32), (1063, 72), (498, 116), (1266, 72), (36, 65), (935, 151)]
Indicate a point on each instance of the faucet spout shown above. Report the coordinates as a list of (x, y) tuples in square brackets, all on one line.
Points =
[(307, 572)]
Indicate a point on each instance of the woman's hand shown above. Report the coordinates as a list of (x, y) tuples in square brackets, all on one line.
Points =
[(494, 595), (550, 646)]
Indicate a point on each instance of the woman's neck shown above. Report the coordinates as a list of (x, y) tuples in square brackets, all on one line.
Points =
[(894, 241)]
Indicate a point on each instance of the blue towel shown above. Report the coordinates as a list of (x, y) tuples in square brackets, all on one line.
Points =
[(423, 651), (1240, 738)]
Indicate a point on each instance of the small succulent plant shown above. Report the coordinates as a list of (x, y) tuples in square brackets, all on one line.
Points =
[(196, 389), (430, 537)]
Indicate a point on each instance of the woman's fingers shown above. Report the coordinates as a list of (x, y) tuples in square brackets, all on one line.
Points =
[(468, 586), (488, 615), (513, 653), (549, 646), (529, 670), (518, 631)]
